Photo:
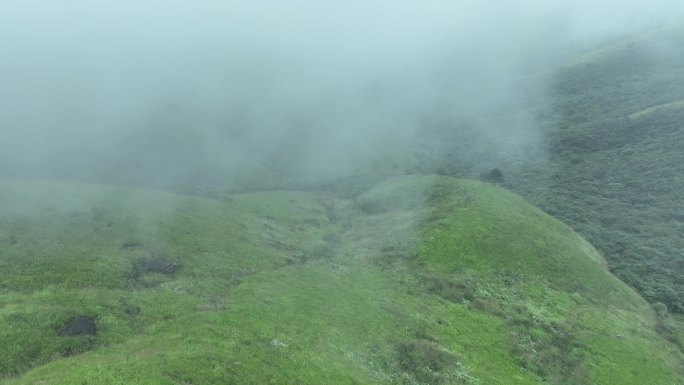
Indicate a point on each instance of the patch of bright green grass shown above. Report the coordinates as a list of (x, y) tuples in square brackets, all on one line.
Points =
[(421, 280)]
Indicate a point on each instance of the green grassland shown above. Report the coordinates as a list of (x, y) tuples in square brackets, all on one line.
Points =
[(609, 163), (417, 280), (615, 171)]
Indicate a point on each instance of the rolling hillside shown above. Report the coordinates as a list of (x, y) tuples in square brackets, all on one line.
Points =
[(417, 280), (615, 171), (608, 160)]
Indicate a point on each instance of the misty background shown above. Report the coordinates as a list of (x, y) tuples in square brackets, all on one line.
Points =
[(170, 93)]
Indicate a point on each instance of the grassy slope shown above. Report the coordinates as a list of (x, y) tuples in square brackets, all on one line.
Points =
[(611, 165), (615, 173), (419, 280)]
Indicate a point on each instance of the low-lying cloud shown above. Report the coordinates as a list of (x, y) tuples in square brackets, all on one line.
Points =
[(160, 90)]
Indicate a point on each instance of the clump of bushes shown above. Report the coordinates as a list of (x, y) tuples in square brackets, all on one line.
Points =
[(426, 360)]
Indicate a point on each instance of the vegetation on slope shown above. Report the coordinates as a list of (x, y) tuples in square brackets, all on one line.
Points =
[(611, 163), (419, 280), (616, 162)]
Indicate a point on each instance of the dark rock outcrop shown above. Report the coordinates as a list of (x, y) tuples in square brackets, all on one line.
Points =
[(160, 265), (79, 326)]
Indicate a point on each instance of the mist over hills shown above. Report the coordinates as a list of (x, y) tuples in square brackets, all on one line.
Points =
[(246, 193), (612, 169), (159, 94)]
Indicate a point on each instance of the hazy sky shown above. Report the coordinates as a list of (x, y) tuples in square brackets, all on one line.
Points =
[(174, 86)]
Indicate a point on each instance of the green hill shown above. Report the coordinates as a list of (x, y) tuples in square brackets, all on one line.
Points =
[(608, 160), (615, 169), (419, 280)]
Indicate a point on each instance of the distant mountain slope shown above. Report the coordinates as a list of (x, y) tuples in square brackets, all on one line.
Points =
[(616, 172), (608, 160), (419, 280)]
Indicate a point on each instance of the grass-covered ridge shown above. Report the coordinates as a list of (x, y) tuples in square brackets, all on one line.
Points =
[(611, 162), (419, 280)]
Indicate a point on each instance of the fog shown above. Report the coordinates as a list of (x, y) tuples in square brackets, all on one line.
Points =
[(178, 92)]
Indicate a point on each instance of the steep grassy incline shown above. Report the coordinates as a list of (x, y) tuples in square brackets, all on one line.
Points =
[(604, 154), (420, 280), (616, 172)]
